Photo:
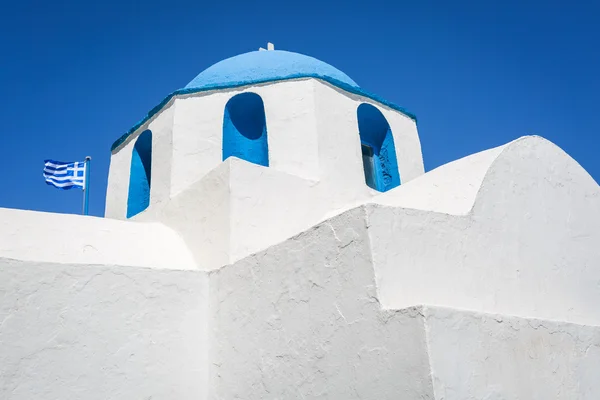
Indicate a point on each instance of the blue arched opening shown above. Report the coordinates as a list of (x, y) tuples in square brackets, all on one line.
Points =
[(140, 175), (378, 151), (245, 129)]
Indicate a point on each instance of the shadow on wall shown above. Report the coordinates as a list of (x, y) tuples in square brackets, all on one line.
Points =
[(378, 151), (245, 129), (138, 198)]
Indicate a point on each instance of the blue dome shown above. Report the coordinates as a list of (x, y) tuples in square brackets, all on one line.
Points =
[(265, 66)]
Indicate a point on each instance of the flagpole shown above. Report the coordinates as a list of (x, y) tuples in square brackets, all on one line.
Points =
[(86, 186)]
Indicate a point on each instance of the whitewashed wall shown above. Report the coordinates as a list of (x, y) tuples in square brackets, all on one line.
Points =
[(304, 319), (491, 356), (202, 217), (162, 154), (290, 119), (117, 191), (449, 189), (75, 239), (527, 248), (339, 141), (378, 302), (301, 320), (101, 332)]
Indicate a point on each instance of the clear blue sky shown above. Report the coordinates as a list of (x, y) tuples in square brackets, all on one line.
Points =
[(75, 75)]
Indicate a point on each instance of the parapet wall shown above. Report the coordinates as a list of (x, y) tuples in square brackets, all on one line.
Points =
[(75, 239), (527, 247), (94, 332)]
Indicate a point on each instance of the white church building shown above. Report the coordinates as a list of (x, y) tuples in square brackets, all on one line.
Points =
[(270, 233)]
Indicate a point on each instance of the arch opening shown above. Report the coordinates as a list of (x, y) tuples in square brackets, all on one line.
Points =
[(140, 175), (245, 129), (380, 164)]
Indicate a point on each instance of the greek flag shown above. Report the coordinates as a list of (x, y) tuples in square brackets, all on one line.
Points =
[(65, 175)]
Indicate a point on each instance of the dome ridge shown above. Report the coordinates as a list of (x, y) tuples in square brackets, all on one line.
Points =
[(265, 66)]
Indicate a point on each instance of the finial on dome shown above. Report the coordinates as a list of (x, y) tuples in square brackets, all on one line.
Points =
[(270, 46)]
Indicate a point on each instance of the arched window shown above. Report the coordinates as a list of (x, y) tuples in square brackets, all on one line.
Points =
[(378, 152), (140, 175), (245, 129)]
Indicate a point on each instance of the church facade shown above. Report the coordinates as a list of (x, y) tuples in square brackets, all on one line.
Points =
[(270, 233)]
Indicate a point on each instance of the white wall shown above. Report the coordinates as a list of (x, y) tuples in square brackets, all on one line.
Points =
[(302, 320), (339, 139), (450, 189), (198, 132), (355, 307), (240, 208), (528, 247), (269, 206), (74, 332), (117, 192), (291, 122), (202, 217), (162, 154), (75, 239), (490, 356)]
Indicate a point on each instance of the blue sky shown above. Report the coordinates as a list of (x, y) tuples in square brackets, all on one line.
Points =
[(75, 75)]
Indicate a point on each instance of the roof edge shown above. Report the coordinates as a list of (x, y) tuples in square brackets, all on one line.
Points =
[(339, 84)]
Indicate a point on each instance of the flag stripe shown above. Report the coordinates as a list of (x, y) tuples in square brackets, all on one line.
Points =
[(59, 164), (55, 169), (65, 172), (62, 187), (80, 174), (64, 178), (62, 184)]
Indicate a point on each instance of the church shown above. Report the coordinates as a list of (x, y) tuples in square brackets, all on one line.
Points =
[(270, 233)]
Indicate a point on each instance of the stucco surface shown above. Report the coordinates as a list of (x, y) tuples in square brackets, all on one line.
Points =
[(76, 239), (202, 217), (301, 320), (527, 248), (339, 141), (88, 332), (237, 209), (496, 357), (117, 189), (450, 189), (161, 126), (291, 129)]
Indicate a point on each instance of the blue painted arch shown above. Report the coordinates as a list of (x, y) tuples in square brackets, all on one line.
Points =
[(140, 175), (376, 136), (245, 129)]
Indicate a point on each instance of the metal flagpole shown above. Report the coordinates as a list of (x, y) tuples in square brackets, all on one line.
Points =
[(86, 186)]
